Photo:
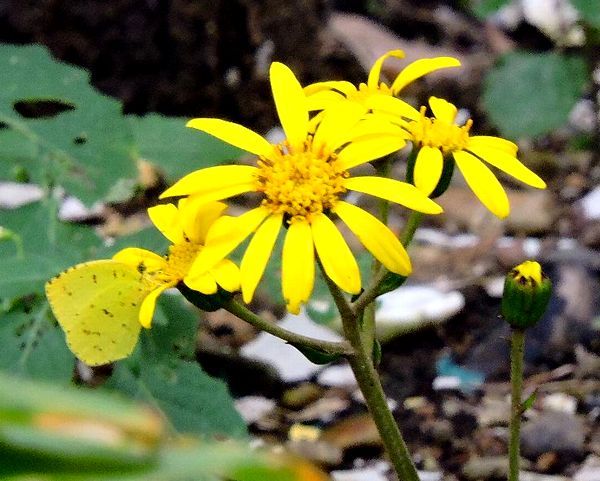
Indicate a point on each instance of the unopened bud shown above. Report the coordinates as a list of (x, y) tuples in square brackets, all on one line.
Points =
[(526, 295)]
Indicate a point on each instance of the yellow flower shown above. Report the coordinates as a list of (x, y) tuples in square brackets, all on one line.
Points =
[(186, 227), (438, 137), (323, 95), (301, 182)]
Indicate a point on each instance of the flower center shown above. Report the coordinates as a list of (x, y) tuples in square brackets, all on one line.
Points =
[(179, 260), (364, 92), (432, 132), (300, 184)]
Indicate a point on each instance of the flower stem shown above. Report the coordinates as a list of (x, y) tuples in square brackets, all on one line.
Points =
[(410, 228), (517, 347), (361, 362), (329, 347)]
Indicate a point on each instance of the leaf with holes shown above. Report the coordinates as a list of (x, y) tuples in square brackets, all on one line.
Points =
[(57, 129), (32, 345)]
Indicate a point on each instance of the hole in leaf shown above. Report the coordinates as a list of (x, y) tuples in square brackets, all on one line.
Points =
[(3, 126), (41, 108), (80, 139)]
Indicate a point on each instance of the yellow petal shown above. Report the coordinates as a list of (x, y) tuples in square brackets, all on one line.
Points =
[(394, 191), (291, 104), (333, 129), (335, 255), (443, 110), (197, 216), (368, 149), (211, 179), (509, 164), (498, 143), (375, 72), (233, 134), (149, 305), (203, 283), (376, 125), (323, 100), (483, 183), (392, 105), (420, 68), (257, 255), (224, 236), (342, 86), (146, 262), (428, 169), (376, 237), (227, 275), (165, 218), (297, 266)]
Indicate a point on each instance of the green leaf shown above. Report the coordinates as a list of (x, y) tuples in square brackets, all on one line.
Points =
[(589, 11), (191, 400), (528, 403), (67, 132), (32, 346), (484, 8), (177, 150), (530, 94)]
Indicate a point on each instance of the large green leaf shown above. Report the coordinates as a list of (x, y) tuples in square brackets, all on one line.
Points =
[(175, 149), (191, 400), (32, 346), (86, 147), (530, 94)]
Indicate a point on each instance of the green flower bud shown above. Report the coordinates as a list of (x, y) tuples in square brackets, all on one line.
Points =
[(526, 295)]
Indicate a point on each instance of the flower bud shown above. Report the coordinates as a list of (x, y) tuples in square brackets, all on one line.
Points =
[(526, 294)]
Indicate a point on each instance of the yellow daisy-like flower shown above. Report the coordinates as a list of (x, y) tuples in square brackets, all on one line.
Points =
[(301, 182), (324, 95), (438, 137), (186, 226)]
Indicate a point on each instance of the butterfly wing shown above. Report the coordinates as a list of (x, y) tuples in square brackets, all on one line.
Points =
[(97, 305)]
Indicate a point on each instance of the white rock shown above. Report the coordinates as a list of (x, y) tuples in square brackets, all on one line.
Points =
[(290, 364), (560, 402), (14, 194), (558, 22), (338, 375), (590, 471), (254, 408), (409, 307), (495, 287), (364, 474), (590, 204), (430, 475), (73, 210), (444, 383)]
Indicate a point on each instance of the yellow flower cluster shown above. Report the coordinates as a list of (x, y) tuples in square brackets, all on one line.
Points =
[(303, 185)]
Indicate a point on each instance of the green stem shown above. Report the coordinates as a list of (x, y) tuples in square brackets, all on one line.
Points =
[(329, 347), (414, 219), (517, 347), (361, 362)]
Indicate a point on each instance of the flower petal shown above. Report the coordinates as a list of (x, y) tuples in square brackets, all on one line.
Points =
[(375, 72), (291, 104), (297, 266), (224, 236), (257, 255), (420, 68), (333, 129), (166, 219), (369, 148), (149, 304), (335, 255), (227, 275), (197, 216), (376, 237), (428, 169), (323, 100), (443, 110), (510, 164), (483, 183), (392, 105), (204, 283), (212, 179), (143, 260), (491, 142), (402, 193), (342, 86), (233, 134)]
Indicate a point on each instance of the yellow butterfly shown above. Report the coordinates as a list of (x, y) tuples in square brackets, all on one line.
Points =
[(97, 304)]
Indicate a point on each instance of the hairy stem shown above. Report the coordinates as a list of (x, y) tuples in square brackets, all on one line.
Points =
[(329, 347), (517, 347)]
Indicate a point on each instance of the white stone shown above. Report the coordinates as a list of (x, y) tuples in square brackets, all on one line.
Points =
[(14, 194), (560, 402), (289, 363), (590, 203), (254, 408), (364, 474), (338, 375)]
